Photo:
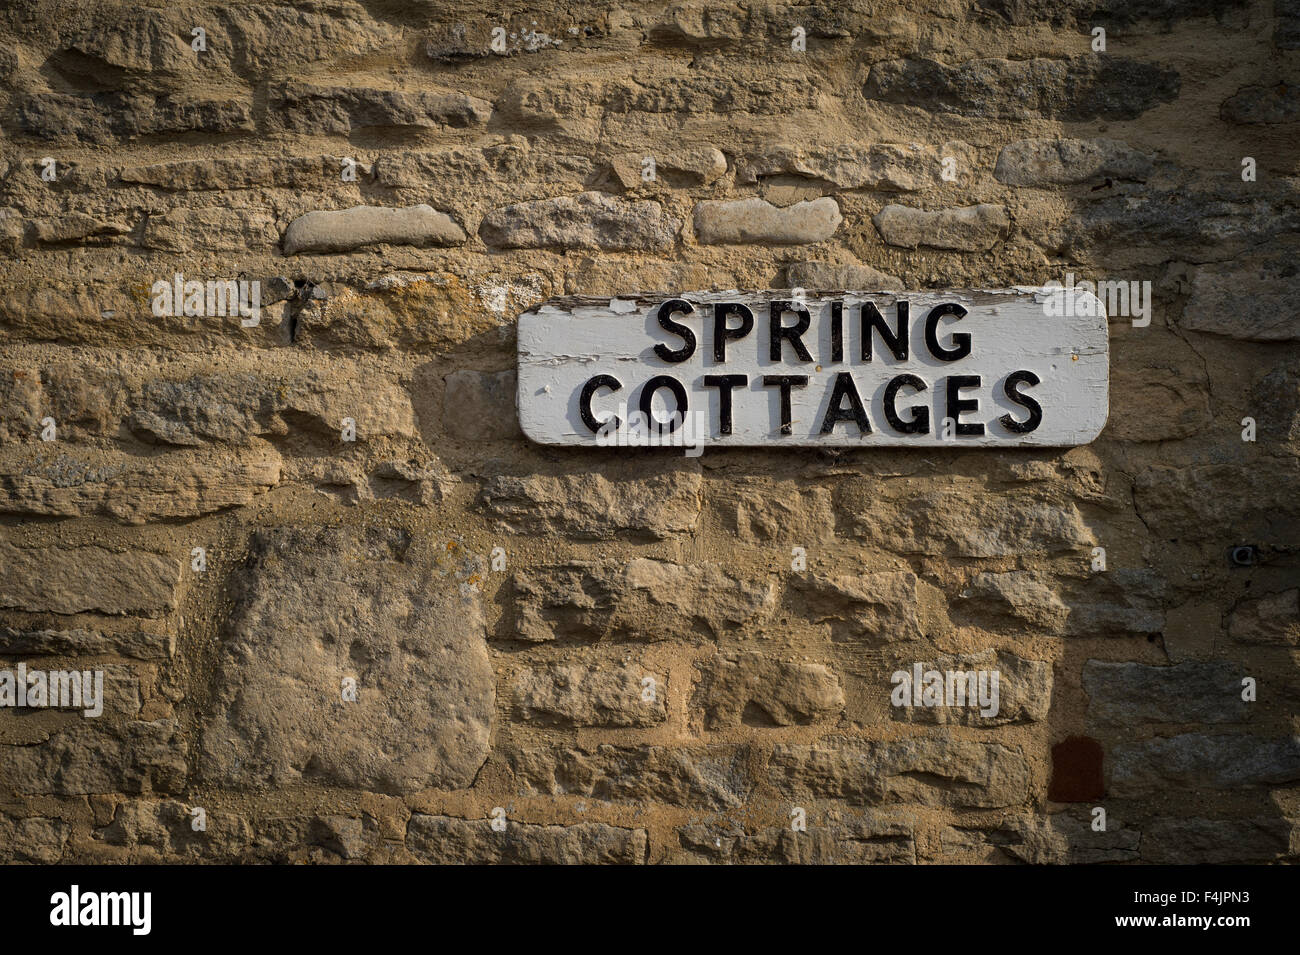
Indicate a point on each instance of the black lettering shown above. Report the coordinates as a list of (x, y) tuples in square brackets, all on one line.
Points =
[(785, 382), (920, 423), (725, 384), (687, 335), (873, 321), (791, 333), (957, 406), (647, 402), (584, 401), (835, 413), (837, 332), (960, 340), (1034, 408), (721, 332)]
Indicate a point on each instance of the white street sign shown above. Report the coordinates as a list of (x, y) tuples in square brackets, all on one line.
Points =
[(1015, 367)]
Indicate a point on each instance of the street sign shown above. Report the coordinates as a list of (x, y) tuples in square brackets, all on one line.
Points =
[(1008, 368)]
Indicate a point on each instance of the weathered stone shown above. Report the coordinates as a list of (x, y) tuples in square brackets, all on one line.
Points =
[(902, 167), (1119, 602), (93, 756), (237, 408), (317, 607), (1021, 597), (757, 509), (874, 838), (590, 695), (1208, 219), (34, 839), (481, 406), (1166, 399), (221, 230), (1054, 162), (1129, 694), (70, 580), (1262, 105), (348, 229), (1071, 88), (346, 836), (970, 229), (927, 771), (740, 221), (598, 505), (89, 643), (591, 220), (1286, 35), (75, 227), (342, 110), (642, 598), (1183, 841), (1218, 502), (758, 690), (12, 230), (103, 117), (222, 174), (1197, 762), (1275, 402), (970, 522), (134, 489), (446, 840), (1249, 300), (881, 605), (700, 166), (1272, 619), (1024, 690), (166, 828), (827, 276), (1057, 839), (708, 777)]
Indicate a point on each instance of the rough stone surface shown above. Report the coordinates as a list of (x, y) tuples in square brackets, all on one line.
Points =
[(1071, 89), (1058, 162), (587, 221), (874, 838), (71, 580), (1024, 690), (591, 696), (1274, 619), (595, 506), (759, 691), (709, 777), (755, 220), (971, 229), (370, 225), (1252, 303), (134, 489), (1199, 761), (1129, 694), (320, 607), (1057, 839), (645, 599), (825, 275), (927, 771), (1215, 841), (446, 840)]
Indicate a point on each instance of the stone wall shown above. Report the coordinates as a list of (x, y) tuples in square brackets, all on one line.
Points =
[(618, 652)]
